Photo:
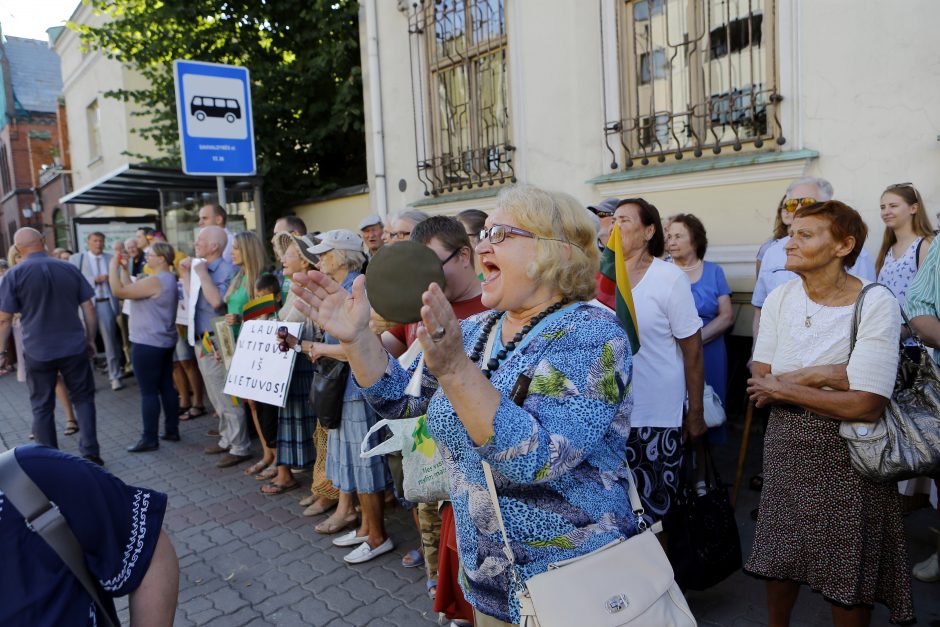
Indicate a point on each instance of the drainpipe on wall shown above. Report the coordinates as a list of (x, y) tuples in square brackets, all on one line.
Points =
[(375, 106)]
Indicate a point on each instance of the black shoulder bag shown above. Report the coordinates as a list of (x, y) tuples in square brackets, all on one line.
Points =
[(704, 544), (329, 387)]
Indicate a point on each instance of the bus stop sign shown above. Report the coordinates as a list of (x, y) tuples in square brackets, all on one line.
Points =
[(213, 104)]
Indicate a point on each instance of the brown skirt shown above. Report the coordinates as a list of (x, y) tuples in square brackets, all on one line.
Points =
[(823, 524)]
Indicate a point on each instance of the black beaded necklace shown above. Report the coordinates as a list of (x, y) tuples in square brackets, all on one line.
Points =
[(493, 362)]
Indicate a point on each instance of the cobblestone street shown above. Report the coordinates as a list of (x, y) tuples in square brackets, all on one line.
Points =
[(250, 559)]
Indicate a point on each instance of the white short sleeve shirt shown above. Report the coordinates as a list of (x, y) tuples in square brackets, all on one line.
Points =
[(665, 312)]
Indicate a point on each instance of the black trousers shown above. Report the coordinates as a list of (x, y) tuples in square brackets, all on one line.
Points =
[(80, 380)]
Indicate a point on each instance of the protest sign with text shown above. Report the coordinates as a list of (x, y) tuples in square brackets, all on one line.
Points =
[(259, 370)]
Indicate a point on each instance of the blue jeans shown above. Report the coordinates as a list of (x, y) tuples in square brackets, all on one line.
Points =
[(153, 367), (80, 381)]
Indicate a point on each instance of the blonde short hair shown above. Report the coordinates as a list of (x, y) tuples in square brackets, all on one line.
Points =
[(556, 215)]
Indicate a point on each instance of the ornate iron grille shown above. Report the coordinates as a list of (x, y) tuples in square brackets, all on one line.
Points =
[(697, 75), (461, 94)]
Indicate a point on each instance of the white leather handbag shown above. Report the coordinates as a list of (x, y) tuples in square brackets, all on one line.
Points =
[(626, 582)]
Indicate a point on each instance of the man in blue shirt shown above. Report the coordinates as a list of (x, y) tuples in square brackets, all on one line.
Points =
[(118, 528), (48, 293), (215, 274)]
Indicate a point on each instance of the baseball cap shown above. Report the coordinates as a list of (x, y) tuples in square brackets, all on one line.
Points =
[(605, 207), (372, 220), (342, 239)]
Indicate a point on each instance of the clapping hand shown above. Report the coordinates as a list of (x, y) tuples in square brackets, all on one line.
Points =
[(440, 334), (343, 315)]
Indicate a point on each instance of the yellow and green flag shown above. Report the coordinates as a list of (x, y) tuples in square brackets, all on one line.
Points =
[(614, 287), (259, 307), (207, 347)]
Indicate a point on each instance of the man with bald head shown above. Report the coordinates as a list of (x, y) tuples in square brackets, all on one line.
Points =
[(49, 293), (215, 274), (215, 215)]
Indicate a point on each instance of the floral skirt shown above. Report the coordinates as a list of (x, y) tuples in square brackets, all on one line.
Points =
[(823, 524), (655, 457)]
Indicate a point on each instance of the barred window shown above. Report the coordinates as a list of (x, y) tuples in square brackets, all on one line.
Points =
[(461, 94), (697, 76)]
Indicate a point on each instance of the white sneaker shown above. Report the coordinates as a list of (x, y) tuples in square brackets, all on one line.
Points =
[(349, 539), (364, 552), (928, 570), (116, 385)]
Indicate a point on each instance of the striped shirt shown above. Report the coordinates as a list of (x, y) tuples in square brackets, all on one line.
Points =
[(923, 295)]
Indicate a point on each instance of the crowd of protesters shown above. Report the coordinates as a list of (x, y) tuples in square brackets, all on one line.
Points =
[(522, 297)]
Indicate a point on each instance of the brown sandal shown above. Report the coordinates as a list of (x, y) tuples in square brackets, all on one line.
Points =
[(71, 428), (275, 488)]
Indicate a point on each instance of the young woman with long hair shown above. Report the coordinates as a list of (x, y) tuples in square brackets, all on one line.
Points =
[(907, 237)]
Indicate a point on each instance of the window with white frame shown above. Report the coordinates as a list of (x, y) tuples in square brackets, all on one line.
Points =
[(697, 77), (461, 94)]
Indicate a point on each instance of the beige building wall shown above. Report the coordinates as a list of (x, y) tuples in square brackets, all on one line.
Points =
[(858, 109), (86, 76), (343, 212)]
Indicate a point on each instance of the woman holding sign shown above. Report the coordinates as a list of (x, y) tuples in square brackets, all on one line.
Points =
[(249, 256), (296, 420), (153, 337)]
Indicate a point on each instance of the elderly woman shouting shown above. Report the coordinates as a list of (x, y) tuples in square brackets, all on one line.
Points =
[(821, 523), (538, 387)]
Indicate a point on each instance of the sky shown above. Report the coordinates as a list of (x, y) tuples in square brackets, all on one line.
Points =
[(31, 18)]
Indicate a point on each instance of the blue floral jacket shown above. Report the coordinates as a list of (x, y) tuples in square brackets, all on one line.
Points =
[(559, 460)]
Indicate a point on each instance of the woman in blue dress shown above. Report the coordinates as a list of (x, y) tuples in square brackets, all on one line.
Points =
[(686, 242)]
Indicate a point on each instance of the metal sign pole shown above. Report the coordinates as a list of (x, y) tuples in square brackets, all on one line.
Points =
[(220, 186)]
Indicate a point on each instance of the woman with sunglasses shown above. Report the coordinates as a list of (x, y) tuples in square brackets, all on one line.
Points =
[(539, 388), (782, 223)]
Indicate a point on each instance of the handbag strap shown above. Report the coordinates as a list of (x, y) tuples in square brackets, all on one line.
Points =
[(44, 518), (857, 315), (635, 504)]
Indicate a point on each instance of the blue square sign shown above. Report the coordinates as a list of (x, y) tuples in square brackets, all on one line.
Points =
[(213, 105)]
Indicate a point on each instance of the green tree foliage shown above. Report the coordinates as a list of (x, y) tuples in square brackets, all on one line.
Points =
[(303, 56)]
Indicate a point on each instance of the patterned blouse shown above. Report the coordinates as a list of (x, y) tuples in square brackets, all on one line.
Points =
[(898, 273), (559, 459)]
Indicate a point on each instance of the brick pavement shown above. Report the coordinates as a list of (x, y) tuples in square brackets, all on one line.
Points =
[(250, 559)]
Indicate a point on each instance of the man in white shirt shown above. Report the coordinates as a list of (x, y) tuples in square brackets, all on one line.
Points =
[(215, 215), (93, 264), (773, 272)]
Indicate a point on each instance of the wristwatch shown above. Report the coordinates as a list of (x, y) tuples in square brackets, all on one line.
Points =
[(298, 348)]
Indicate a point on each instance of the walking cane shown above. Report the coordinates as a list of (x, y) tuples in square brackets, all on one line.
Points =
[(742, 453)]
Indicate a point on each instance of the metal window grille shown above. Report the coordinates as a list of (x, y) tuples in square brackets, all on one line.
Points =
[(697, 76), (463, 131)]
